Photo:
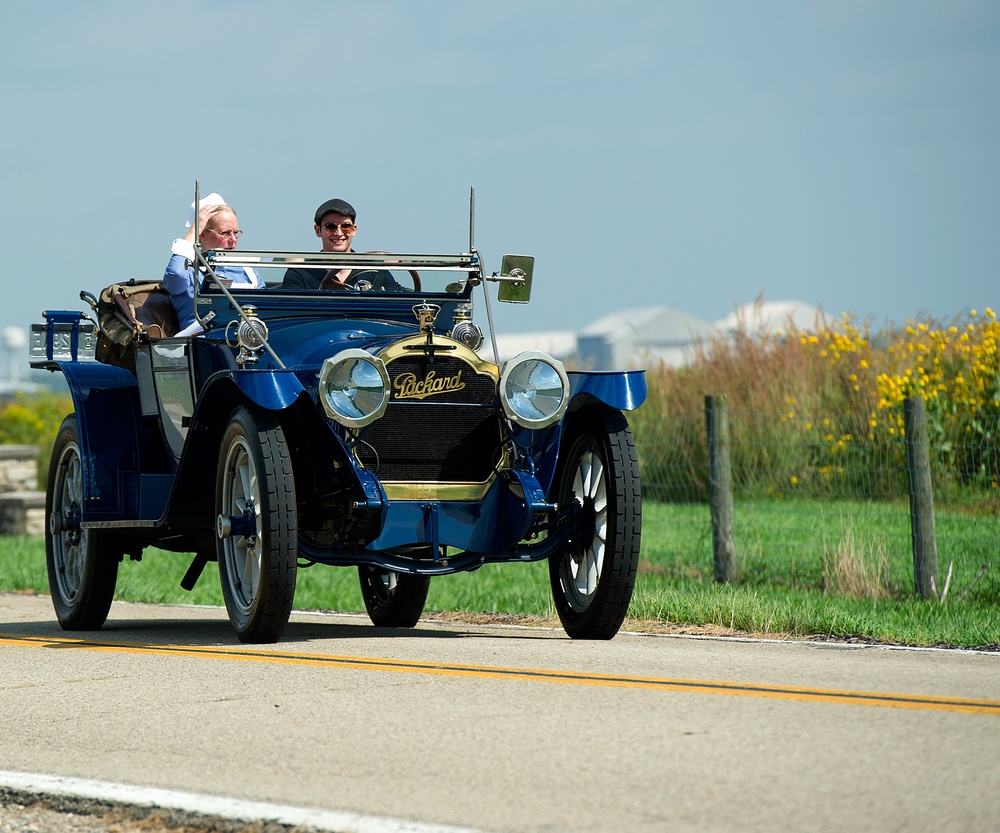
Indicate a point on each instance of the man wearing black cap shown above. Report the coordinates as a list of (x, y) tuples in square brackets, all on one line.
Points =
[(335, 226)]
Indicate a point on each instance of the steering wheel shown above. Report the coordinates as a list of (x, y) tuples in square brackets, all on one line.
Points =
[(414, 274), (333, 284)]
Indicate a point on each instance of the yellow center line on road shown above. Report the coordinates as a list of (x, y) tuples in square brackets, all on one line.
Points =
[(736, 689)]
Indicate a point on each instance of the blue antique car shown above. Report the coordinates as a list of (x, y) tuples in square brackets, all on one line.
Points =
[(349, 428)]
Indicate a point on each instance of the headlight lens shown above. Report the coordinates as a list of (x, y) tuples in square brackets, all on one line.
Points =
[(534, 390), (354, 388)]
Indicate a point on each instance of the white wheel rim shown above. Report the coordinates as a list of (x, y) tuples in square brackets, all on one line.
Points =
[(582, 574)]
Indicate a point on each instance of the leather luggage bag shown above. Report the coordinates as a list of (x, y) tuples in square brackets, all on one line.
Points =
[(132, 313)]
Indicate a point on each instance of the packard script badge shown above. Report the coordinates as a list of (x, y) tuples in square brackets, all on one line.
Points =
[(407, 386)]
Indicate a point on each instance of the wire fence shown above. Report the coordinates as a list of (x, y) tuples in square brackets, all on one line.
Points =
[(805, 489)]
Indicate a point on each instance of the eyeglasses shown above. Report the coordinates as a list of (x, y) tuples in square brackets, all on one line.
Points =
[(344, 227), (227, 234)]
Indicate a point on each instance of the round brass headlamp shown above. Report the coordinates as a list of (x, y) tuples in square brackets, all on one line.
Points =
[(354, 387), (534, 389)]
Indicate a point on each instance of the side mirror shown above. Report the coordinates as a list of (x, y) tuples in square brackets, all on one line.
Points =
[(515, 278)]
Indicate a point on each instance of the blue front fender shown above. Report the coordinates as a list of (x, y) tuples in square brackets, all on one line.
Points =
[(269, 389), (621, 389), (273, 390)]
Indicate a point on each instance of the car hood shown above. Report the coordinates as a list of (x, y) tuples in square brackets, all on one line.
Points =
[(306, 344)]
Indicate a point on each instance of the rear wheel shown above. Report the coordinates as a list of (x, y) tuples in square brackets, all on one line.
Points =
[(256, 526), (393, 600), (82, 569), (593, 578)]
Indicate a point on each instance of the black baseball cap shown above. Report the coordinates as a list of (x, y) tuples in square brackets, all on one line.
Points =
[(339, 206)]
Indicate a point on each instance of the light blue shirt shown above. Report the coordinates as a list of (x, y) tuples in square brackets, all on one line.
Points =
[(178, 279)]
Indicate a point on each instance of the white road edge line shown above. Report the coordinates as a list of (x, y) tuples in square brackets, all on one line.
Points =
[(212, 805)]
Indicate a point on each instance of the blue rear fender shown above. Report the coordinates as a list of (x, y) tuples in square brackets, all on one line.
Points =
[(117, 443)]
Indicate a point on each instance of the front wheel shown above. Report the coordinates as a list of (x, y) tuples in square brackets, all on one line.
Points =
[(393, 600), (256, 526), (82, 570), (593, 578)]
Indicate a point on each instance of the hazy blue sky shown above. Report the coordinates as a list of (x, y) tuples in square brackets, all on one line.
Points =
[(693, 154)]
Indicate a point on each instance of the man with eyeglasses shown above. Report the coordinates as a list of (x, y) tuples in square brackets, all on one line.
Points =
[(335, 225), (217, 229)]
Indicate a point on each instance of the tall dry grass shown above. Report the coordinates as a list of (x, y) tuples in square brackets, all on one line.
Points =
[(821, 411), (857, 566)]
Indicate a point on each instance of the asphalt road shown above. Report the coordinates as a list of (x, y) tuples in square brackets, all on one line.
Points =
[(507, 729)]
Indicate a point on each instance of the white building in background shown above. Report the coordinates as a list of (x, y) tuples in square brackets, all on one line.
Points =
[(15, 343), (558, 343), (651, 336), (641, 337), (763, 317)]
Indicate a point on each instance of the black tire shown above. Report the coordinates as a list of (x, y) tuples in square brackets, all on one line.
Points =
[(256, 529), (82, 569), (592, 580), (393, 600)]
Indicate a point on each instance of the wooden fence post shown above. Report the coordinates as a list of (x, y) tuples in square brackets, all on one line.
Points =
[(720, 488), (918, 470)]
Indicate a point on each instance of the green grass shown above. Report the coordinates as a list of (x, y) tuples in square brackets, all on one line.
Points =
[(805, 569)]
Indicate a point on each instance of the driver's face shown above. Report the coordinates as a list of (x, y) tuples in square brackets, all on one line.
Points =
[(336, 231)]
